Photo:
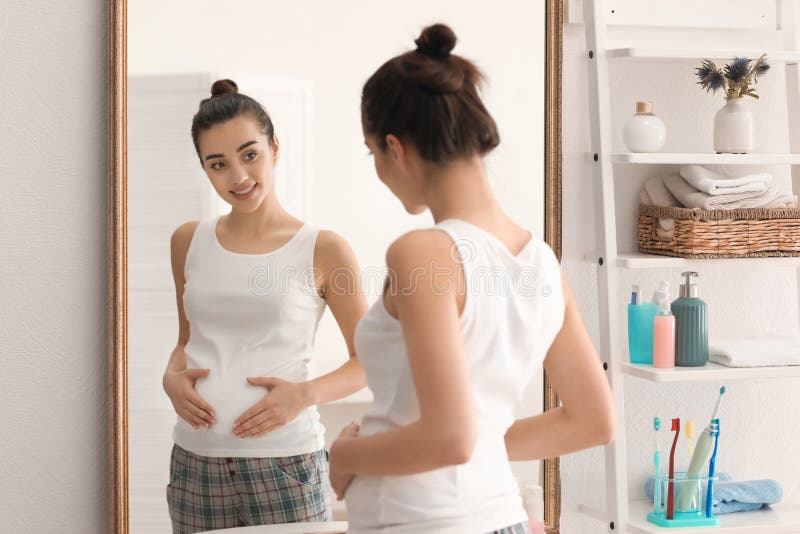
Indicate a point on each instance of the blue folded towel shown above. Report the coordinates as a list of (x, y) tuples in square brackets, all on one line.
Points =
[(731, 496)]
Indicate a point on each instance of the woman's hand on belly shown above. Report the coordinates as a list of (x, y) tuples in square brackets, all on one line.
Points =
[(188, 404), (341, 481), (283, 403)]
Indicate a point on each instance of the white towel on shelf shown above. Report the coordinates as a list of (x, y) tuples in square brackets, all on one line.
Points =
[(690, 197), (656, 194), (665, 230), (755, 351), (716, 183)]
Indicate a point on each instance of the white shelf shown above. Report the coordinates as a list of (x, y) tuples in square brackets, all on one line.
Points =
[(638, 260), (663, 54), (782, 518), (708, 373), (703, 158)]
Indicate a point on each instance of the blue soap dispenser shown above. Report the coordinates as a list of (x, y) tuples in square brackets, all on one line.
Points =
[(691, 325)]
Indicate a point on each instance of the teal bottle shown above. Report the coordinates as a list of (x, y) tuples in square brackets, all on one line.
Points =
[(691, 325)]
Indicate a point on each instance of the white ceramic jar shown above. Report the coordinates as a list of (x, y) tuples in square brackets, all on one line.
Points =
[(644, 132)]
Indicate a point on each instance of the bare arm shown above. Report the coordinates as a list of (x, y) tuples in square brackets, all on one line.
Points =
[(178, 381), (446, 430), (586, 415), (341, 286), (179, 246)]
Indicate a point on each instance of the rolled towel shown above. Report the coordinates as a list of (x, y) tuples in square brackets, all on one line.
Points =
[(731, 496), (665, 231), (755, 351), (659, 195), (715, 183), (690, 197)]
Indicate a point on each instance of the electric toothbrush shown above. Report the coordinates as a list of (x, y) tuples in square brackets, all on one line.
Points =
[(701, 452)]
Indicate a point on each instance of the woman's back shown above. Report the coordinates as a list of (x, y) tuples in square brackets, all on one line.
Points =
[(513, 309)]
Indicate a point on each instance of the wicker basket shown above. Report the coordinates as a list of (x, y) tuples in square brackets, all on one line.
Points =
[(741, 233)]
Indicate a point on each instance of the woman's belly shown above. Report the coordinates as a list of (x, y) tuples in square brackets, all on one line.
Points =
[(226, 387)]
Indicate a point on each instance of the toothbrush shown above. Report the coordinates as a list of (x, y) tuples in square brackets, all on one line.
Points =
[(688, 431), (712, 468), (657, 502), (635, 294), (722, 391), (676, 427), (701, 452)]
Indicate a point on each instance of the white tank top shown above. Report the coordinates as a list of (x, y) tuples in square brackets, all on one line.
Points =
[(513, 310), (250, 315)]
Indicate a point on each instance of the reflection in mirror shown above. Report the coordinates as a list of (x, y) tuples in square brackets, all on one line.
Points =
[(306, 62)]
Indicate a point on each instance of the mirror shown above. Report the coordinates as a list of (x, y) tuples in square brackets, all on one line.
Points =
[(306, 62)]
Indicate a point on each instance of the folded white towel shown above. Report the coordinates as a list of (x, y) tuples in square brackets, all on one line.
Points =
[(665, 230), (715, 183), (771, 197), (755, 351), (659, 194)]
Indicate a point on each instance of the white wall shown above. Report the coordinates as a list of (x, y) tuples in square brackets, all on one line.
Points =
[(760, 433), (53, 160)]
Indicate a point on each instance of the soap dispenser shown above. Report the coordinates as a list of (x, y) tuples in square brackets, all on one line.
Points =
[(691, 325)]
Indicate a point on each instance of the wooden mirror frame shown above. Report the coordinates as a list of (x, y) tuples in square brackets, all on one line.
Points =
[(118, 257)]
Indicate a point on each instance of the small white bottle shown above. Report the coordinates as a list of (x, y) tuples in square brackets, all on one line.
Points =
[(644, 132)]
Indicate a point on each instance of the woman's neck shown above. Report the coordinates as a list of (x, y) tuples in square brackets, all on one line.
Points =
[(461, 190), (267, 216)]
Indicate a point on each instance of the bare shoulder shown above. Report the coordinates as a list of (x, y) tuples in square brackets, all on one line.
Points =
[(417, 247), (181, 238), (332, 250)]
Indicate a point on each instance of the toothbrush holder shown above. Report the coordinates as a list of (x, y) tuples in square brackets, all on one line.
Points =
[(695, 514)]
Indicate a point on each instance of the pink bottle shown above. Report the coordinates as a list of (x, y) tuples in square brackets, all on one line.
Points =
[(664, 336)]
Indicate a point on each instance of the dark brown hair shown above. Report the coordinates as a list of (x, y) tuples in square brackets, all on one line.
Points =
[(429, 97), (224, 104)]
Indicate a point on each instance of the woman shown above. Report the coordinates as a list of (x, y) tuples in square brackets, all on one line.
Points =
[(473, 307), (251, 287)]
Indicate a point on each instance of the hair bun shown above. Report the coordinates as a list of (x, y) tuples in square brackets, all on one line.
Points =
[(436, 41), (224, 87)]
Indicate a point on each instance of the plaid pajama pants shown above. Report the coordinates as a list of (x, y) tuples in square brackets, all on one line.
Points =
[(519, 528), (207, 493)]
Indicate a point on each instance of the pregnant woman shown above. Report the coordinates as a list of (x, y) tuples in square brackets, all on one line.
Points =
[(473, 308), (251, 288)]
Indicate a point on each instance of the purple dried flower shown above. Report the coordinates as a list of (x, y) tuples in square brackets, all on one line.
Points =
[(760, 68), (711, 78), (737, 70)]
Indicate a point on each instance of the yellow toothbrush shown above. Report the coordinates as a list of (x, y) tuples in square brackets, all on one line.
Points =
[(688, 431)]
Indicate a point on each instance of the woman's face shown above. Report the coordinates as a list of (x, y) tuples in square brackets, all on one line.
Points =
[(395, 170), (239, 161)]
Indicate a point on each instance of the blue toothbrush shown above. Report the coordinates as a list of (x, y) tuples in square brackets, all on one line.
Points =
[(712, 467), (657, 465)]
